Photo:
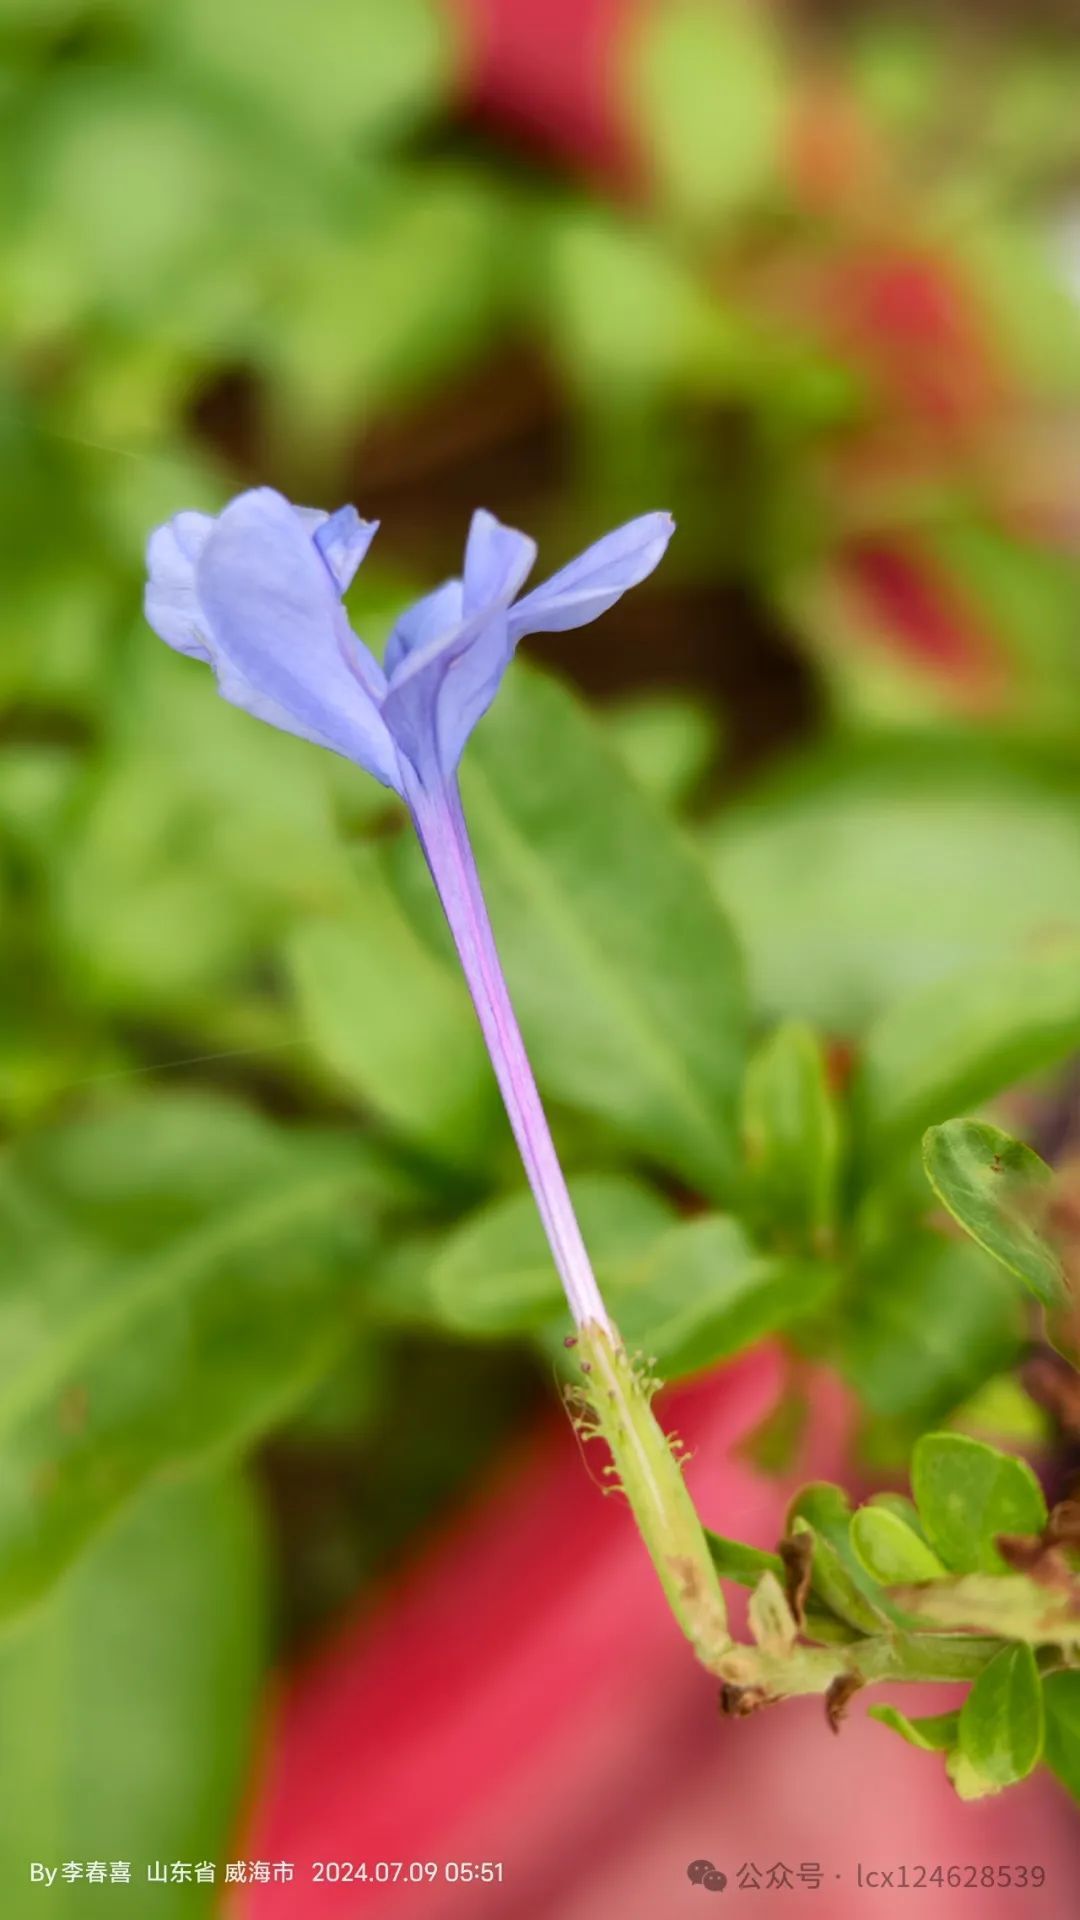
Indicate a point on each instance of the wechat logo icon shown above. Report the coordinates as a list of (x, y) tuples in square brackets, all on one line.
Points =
[(702, 1873)]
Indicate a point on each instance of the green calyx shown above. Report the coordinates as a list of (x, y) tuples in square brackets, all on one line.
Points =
[(612, 1402)]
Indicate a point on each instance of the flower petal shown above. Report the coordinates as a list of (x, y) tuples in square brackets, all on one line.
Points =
[(170, 600), (471, 686), (498, 561), (343, 539), (278, 636), (412, 708), (443, 677), (592, 583), (437, 613)]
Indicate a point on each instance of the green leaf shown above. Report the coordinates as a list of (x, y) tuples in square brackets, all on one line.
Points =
[(129, 179), (890, 1550), (967, 1493), (1001, 1721), (880, 864), (933, 1318), (711, 92), (901, 1506), (424, 256), (1061, 1696), (667, 740), (126, 1701), (1008, 1605), (704, 1291), (934, 1733), (734, 1561), (825, 1511), (494, 1275), (898, 68), (598, 265), (997, 1189), (686, 1293), (140, 1342), (202, 834), (350, 80), (964, 1039), (790, 1135), (620, 962), (392, 1020)]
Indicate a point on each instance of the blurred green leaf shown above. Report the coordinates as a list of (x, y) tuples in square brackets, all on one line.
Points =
[(1001, 1724), (620, 962), (391, 1020), (667, 740), (423, 261), (898, 70), (997, 1189), (933, 1733), (705, 1291), (494, 1274), (710, 85), (1004, 1413), (137, 1342), (875, 866), (36, 783), (335, 76), (131, 187), (1021, 271), (54, 633), (627, 315), (930, 1320), (890, 1550), (962, 1040), (967, 1493), (791, 1136), (345, 1404), (126, 1701), (1061, 1696), (1031, 592), (202, 833)]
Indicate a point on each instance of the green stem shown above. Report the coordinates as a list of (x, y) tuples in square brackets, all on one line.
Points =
[(879, 1657)]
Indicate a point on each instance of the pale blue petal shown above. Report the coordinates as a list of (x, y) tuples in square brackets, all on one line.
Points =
[(444, 670), (278, 636), (498, 561), (592, 583), (444, 676), (471, 685), (343, 540), (170, 601), (411, 706), (437, 613), (191, 530)]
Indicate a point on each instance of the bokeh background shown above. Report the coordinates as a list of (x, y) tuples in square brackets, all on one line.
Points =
[(807, 275)]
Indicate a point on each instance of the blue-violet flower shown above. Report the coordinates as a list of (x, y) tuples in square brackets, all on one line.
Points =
[(257, 592)]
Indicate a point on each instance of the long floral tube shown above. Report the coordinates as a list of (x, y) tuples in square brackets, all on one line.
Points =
[(444, 837)]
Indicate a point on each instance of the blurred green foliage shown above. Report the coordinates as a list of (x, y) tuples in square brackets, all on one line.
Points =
[(255, 1155)]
